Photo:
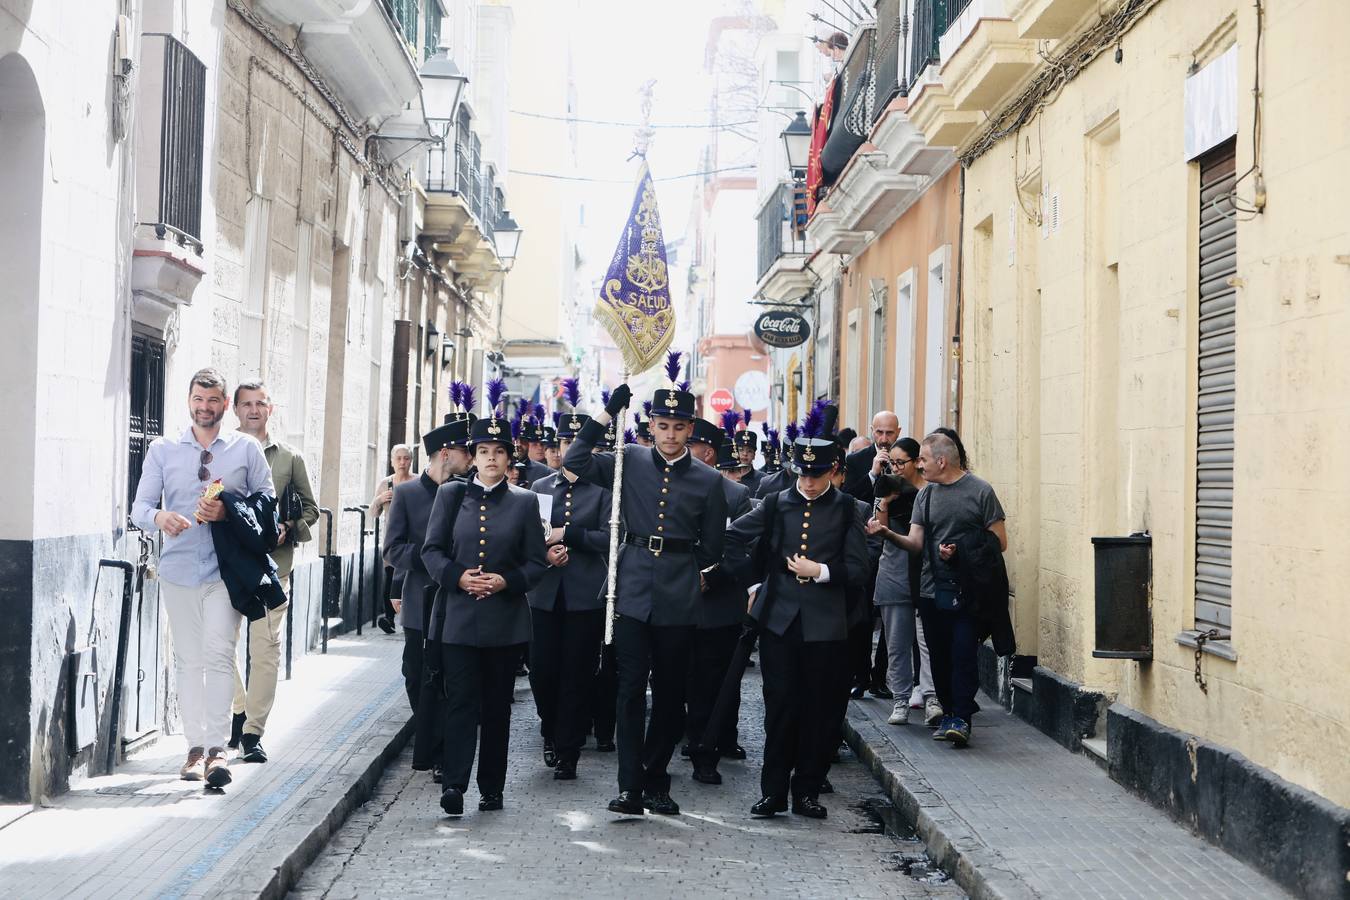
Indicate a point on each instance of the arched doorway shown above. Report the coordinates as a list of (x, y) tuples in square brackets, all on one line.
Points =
[(22, 142)]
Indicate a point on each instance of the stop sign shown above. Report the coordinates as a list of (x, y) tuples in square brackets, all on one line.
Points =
[(720, 400)]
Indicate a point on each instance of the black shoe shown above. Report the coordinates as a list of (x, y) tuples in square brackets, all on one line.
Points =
[(489, 802), (604, 746), (809, 807), (858, 692), (627, 804), (452, 801), (253, 748), (880, 690), (436, 775), (550, 755), (834, 756), (661, 804), (685, 751), (386, 624), (735, 751), (707, 775), (826, 787), (565, 771), (768, 806), (237, 729), (522, 671), (749, 663)]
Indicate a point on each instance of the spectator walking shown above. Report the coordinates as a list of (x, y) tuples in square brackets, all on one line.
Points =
[(180, 478), (297, 511), (400, 460), (958, 528), (857, 465), (897, 589)]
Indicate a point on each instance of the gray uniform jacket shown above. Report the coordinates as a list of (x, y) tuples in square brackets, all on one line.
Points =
[(752, 480), (537, 472), (724, 600), (405, 532), (827, 530), (500, 531), (581, 510), (679, 501), (772, 484)]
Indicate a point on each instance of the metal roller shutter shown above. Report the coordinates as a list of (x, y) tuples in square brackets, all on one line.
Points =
[(1217, 370)]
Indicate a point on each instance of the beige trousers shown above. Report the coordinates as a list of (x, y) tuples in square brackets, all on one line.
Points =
[(265, 637)]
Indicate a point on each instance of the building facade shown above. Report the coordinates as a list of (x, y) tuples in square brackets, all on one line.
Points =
[(237, 190), (1148, 349)]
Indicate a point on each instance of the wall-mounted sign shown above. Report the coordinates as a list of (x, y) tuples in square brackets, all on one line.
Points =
[(752, 390), (781, 328), (721, 400)]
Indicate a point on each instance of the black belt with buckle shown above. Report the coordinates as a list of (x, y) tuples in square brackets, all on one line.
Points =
[(658, 544)]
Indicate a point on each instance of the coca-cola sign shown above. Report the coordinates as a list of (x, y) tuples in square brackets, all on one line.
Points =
[(780, 328)]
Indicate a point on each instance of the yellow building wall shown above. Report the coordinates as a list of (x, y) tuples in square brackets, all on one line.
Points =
[(1079, 374)]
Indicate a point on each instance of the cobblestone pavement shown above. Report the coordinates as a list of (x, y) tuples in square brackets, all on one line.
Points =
[(556, 838)]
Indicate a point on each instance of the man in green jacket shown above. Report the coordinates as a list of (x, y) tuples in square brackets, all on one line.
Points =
[(253, 704)]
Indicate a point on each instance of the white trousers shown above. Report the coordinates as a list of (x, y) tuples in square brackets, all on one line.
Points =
[(205, 630)]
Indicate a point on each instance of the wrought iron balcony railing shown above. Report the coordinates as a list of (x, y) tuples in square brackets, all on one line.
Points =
[(782, 224)]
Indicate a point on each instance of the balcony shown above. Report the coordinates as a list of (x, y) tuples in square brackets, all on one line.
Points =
[(166, 264), (360, 48), (463, 203), (983, 59), (783, 246), (1052, 19)]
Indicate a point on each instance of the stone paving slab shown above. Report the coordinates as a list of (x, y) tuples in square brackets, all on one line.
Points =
[(556, 839), (1015, 815), (141, 832)]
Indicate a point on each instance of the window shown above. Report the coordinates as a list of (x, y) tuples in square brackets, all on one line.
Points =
[(935, 341), (146, 421), (904, 350), (853, 349), (294, 413), (876, 359), (1216, 396), (253, 315)]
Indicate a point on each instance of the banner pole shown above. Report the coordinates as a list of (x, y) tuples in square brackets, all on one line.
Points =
[(614, 509)]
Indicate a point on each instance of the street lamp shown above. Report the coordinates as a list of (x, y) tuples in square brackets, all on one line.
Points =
[(442, 85), (506, 236), (797, 142)]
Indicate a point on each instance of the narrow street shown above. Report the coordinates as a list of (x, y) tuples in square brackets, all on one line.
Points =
[(556, 838)]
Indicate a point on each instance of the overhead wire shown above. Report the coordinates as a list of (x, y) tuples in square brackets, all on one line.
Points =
[(578, 120), (559, 177)]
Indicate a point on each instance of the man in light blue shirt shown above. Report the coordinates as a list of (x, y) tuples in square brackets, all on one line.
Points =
[(170, 498)]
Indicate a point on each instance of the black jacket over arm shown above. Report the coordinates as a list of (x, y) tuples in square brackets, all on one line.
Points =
[(858, 473), (242, 543), (724, 600), (664, 588), (983, 577), (405, 533)]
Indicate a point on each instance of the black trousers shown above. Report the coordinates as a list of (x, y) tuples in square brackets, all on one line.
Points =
[(953, 654), (708, 664), (661, 653), (413, 642), (479, 682), (804, 697), (564, 651), (860, 652), (605, 693)]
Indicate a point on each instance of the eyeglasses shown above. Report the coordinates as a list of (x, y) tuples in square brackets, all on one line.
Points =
[(902, 462), (202, 473)]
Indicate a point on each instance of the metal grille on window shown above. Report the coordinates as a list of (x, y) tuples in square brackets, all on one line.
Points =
[(1216, 399), (146, 418), (182, 123)]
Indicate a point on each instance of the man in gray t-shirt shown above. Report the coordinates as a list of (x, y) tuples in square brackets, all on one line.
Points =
[(953, 504), (947, 511)]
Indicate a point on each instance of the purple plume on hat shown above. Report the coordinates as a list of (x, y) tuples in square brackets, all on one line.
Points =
[(604, 396), (496, 390), (629, 437), (515, 428), (730, 419), (771, 438), (456, 392), (571, 391), (673, 359), (746, 415), (814, 421), (647, 408), (539, 412), (557, 417), (683, 386), (467, 400), (793, 431), (522, 408), (637, 419)]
